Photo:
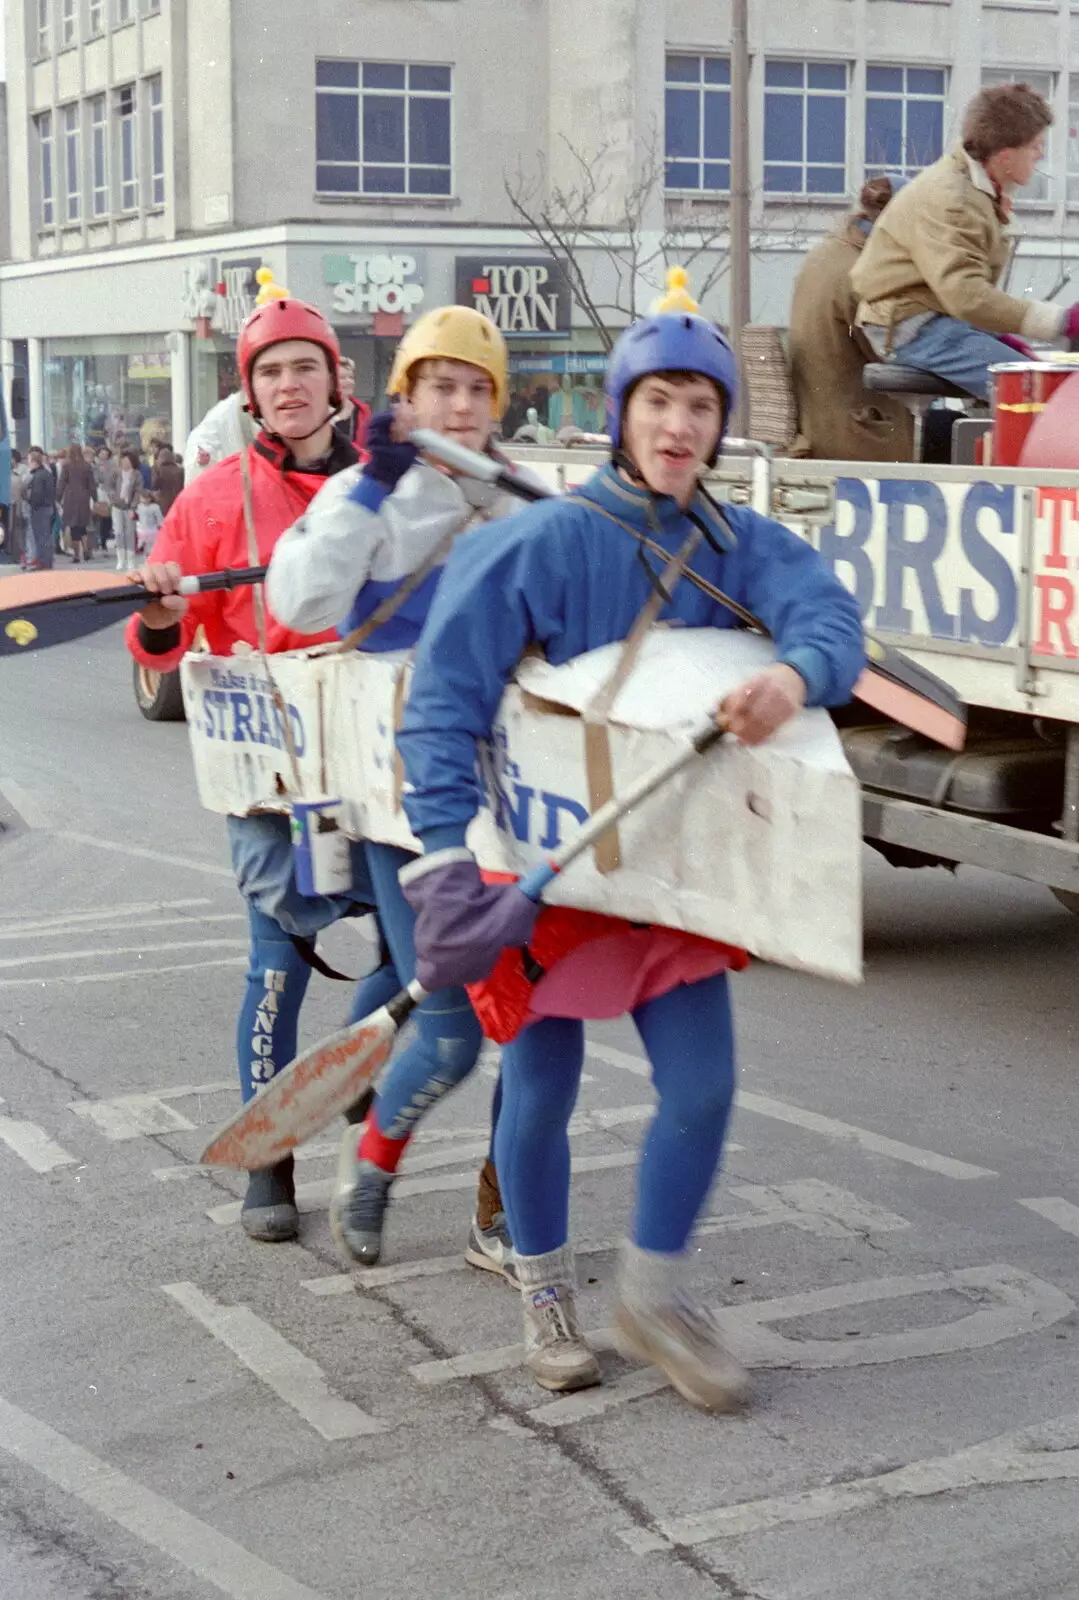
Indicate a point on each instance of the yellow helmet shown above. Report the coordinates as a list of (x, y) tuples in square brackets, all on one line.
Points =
[(454, 333)]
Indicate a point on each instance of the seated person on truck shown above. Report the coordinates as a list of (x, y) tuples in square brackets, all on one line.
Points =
[(836, 417), (927, 278)]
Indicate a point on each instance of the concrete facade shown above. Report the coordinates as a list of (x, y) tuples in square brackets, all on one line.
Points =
[(536, 84)]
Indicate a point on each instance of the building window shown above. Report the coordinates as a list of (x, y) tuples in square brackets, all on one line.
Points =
[(43, 123), (43, 42), (1038, 188), (698, 123), (150, 8), (125, 10), (1073, 140), (382, 128), (904, 118), (99, 155), (805, 127), (95, 17), (129, 148), (157, 143), (69, 121), (68, 21)]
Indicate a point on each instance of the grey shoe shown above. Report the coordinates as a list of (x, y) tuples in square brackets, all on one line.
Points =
[(269, 1212), (555, 1353), (684, 1340), (491, 1248), (358, 1207)]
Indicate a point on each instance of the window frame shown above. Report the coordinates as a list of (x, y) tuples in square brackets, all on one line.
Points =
[(46, 140), (407, 95), (127, 187), (69, 24), (99, 143), (71, 138), (125, 12), (155, 89), (805, 92), (905, 97), (702, 88), (95, 18), (44, 29)]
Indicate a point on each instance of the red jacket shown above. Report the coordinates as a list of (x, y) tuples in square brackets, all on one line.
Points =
[(205, 531)]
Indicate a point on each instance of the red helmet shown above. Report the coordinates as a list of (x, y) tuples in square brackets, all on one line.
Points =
[(280, 319)]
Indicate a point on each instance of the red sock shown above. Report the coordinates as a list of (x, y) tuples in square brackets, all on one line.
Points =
[(374, 1146)]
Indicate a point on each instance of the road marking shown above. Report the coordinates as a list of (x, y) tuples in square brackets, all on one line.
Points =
[(200, 1549), (34, 1145), (145, 855), (124, 972), (10, 925), (317, 1196), (1062, 1212), (610, 1393), (133, 1116), (1018, 1304), (817, 1208), (813, 1122), (123, 950), (1041, 1454), (293, 1377), (122, 925)]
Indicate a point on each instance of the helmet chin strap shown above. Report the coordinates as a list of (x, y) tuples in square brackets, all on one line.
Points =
[(296, 439)]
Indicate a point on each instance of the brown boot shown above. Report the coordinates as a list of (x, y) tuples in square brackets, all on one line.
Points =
[(489, 1244), (488, 1196)]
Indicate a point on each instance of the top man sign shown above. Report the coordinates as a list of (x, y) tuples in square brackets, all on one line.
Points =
[(525, 298)]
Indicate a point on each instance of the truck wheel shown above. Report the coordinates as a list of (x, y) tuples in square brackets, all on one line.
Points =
[(1068, 898), (159, 695)]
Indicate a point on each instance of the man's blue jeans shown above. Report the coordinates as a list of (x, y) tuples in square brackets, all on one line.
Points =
[(956, 351)]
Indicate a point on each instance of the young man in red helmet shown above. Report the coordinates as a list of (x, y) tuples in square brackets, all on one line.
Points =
[(289, 361)]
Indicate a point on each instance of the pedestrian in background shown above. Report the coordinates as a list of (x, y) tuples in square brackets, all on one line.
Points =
[(77, 490), (41, 506), (16, 544), (102, 504), (148, 519), (168, 478), (124, 487)]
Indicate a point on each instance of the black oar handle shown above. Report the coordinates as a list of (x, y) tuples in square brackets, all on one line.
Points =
[(228, 578)]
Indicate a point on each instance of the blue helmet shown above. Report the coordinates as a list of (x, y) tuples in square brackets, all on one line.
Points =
[(668, 341)]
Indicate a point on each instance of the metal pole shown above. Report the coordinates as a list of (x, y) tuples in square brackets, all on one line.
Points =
[(739, 212)]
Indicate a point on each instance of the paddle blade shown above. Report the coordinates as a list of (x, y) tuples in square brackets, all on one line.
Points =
[(303, 1098), (42, 609), (909, 694), (1053, 441)]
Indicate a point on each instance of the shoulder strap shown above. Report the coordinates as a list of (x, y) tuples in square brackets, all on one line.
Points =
[(260, 623)]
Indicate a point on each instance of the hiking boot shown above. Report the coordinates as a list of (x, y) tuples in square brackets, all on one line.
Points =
[(491, 1248), (269, 1212), (358, 1207), (684, 1340), (555, 1353)]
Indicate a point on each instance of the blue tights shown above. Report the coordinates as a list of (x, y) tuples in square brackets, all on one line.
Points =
[(447, 1040), (688, 1036)]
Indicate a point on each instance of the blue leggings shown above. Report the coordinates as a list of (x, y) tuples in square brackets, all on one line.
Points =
[(447, 1040), (277, 979), (689, 1038)]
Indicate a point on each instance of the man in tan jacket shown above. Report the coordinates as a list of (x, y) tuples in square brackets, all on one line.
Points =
[(927, 278), (836, 417)]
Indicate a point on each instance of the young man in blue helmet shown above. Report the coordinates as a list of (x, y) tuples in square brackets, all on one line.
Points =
[(568, 576)]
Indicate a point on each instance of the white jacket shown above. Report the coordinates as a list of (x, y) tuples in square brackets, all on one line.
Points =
[(338, 548), (224, 431)]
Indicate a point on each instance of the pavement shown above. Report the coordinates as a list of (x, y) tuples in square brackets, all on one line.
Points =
[(893, 1248)]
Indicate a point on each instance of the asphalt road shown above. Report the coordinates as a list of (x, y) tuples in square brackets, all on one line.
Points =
[(185, 1415)]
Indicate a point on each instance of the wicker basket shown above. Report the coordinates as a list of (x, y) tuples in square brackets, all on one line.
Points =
[(772, 416)]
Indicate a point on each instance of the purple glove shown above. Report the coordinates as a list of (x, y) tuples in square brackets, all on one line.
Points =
[(1071, 322), (462, 923), (389, 458), (1020, 346)]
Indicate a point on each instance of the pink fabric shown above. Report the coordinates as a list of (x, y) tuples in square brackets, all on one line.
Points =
[(612, 975)]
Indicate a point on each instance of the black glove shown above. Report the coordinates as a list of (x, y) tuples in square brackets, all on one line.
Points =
[(388, 458)]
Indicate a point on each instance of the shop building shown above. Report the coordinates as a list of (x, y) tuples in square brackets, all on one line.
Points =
[(160, 151)]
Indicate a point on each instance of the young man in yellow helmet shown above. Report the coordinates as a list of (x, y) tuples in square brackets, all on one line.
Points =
[(358, 551)]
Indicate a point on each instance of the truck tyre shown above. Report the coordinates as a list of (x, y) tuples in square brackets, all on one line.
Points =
[(159, 695), (1068, 898)]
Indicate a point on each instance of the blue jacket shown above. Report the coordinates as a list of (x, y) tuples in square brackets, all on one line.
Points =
[(564, 576)]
